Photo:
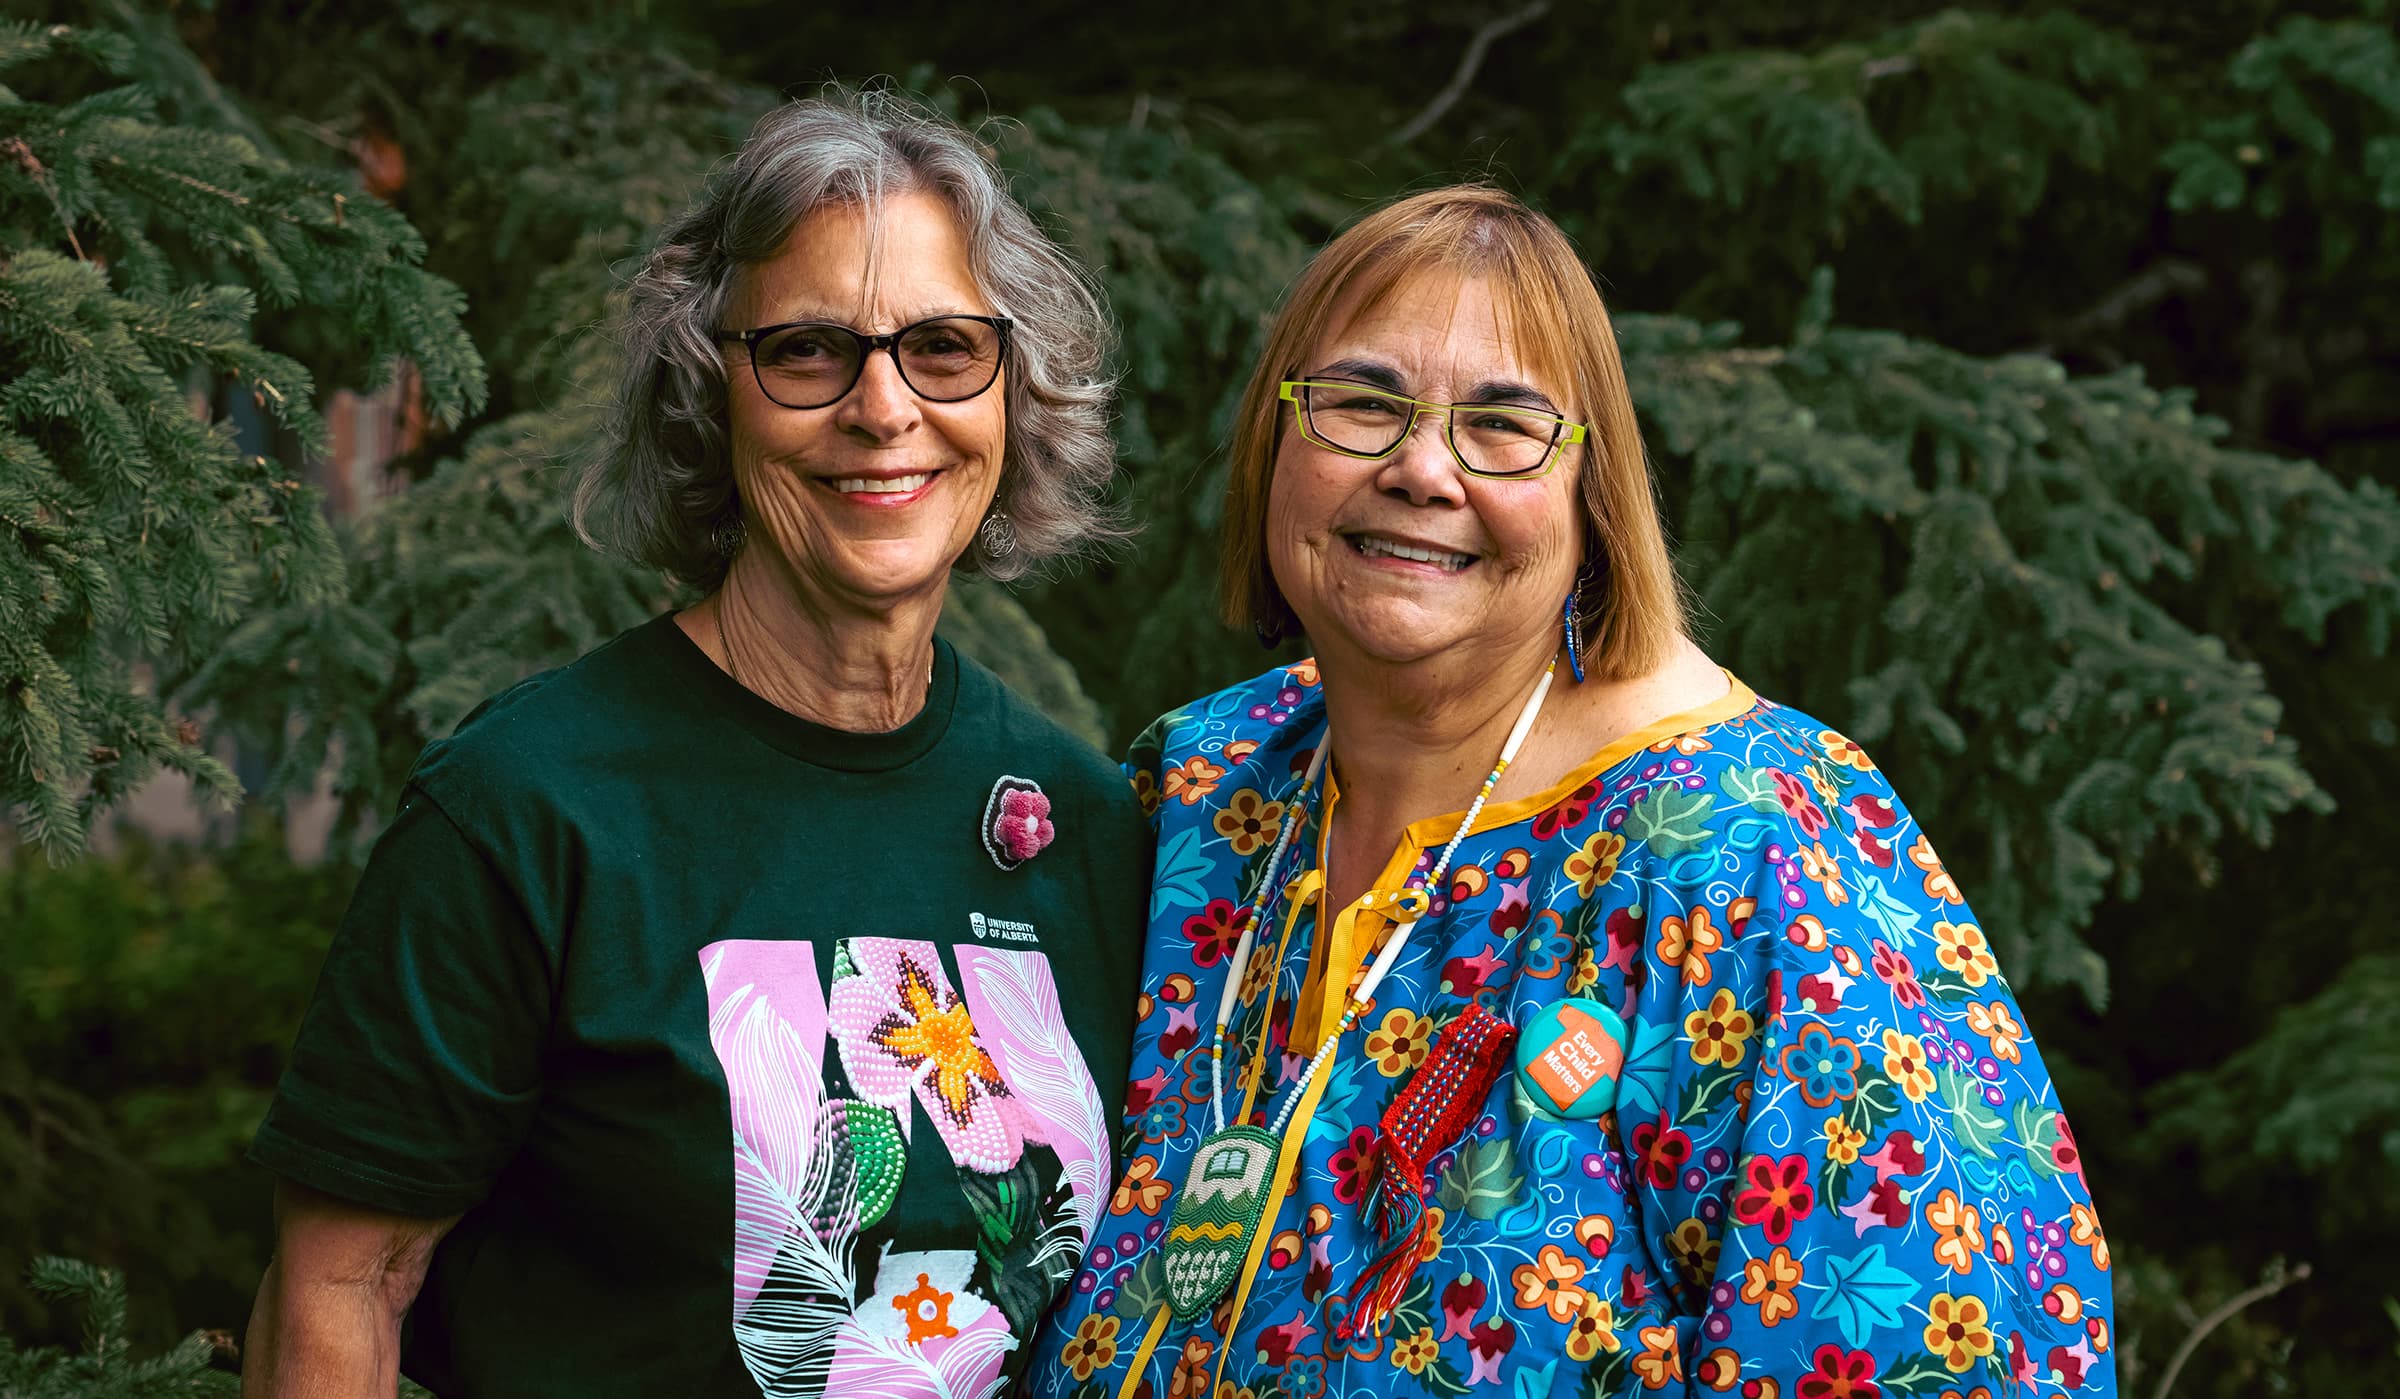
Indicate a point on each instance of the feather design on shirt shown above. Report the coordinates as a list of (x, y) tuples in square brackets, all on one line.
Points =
[(888, 1367), (1015, 1004), (795, 1195), (922, 1333)]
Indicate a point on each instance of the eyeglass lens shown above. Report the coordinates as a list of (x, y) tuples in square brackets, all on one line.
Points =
[(1491, 440), (813, 365)]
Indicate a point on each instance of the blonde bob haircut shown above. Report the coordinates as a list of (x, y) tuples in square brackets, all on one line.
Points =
[(1630, 606)]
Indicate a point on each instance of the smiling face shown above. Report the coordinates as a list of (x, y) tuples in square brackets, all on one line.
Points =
[(870, 500), (1410, 557)]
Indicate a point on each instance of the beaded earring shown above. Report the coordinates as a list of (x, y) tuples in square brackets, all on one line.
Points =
[(1574, 637)]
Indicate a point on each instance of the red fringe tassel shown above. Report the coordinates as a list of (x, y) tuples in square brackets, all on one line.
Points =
[(1440, 1102)]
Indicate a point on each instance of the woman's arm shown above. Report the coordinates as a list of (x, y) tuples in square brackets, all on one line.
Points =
[(411, 1084), (327, 1321)]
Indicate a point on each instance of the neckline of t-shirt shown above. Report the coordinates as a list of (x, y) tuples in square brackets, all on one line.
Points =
[(821, 745)]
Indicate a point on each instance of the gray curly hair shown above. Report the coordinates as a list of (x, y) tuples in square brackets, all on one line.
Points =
[(663, 491)]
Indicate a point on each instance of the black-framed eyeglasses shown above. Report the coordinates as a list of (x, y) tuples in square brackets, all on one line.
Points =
[(1489, 439), (815, 364)]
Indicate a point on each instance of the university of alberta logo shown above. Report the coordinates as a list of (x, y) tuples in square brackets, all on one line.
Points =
[(1001, 929), (1224, 1199)]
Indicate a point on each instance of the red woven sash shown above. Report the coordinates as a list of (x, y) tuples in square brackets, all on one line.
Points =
[(1436, 1107)]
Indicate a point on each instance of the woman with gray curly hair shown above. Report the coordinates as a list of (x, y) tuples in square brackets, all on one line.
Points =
[(694, 1029)]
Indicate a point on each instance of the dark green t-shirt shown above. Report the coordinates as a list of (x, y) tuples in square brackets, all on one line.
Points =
[(754, 1057)]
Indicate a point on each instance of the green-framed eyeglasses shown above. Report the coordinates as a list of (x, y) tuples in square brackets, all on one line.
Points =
[(1489, 439)]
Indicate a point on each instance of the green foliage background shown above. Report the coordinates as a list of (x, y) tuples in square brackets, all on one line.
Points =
[(2023, 382)]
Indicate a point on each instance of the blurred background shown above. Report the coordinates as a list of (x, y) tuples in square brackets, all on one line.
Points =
[(2023, 385)]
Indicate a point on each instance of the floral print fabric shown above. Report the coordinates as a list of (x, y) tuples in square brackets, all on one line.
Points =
[(902, 1027), (824, 1303), (1835, 1169)]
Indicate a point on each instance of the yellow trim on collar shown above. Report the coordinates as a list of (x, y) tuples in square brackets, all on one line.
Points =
[(1736, 701)]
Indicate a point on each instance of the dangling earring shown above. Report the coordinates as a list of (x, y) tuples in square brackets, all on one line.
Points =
[(1574, 636), (998, 536)]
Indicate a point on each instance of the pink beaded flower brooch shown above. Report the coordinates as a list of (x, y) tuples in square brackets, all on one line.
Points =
[(1016, 822)]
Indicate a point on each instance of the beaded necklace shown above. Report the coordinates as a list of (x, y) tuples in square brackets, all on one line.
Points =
[(1226, 1189), (1263, 894)]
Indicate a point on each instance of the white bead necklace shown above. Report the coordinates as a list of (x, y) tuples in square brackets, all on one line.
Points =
[(1227, 1183)]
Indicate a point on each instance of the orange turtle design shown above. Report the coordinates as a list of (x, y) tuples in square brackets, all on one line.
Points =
[(928, 1311)]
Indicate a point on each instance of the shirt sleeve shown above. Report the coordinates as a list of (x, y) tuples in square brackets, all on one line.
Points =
[(419, 1063), (1849, 1161), (1109, 981)]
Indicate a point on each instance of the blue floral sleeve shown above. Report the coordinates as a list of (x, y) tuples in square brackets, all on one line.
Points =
[(1848, 1160)]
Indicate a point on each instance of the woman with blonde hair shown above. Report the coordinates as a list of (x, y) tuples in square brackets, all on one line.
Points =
[(1526, 1002)]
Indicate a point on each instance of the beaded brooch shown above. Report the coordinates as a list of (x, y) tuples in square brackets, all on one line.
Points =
[(1016, 821)]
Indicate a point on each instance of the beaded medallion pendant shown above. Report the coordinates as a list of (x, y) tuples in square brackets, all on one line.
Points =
[(1224, 1200), (1230, 1181)]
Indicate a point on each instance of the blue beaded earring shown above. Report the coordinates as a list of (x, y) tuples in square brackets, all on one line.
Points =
[(1574, 637)]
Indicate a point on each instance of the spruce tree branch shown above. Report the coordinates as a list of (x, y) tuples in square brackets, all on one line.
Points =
[(1468, 64), (159, 44), (2276, 1281), (316, 131), (15, 148), (233, 197), (2167, 277)]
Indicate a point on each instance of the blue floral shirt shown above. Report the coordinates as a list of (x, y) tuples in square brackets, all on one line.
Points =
[(1835, 1167)]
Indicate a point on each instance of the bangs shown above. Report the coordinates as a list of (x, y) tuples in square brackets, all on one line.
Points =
[(1457, 245), (1553, 322)]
